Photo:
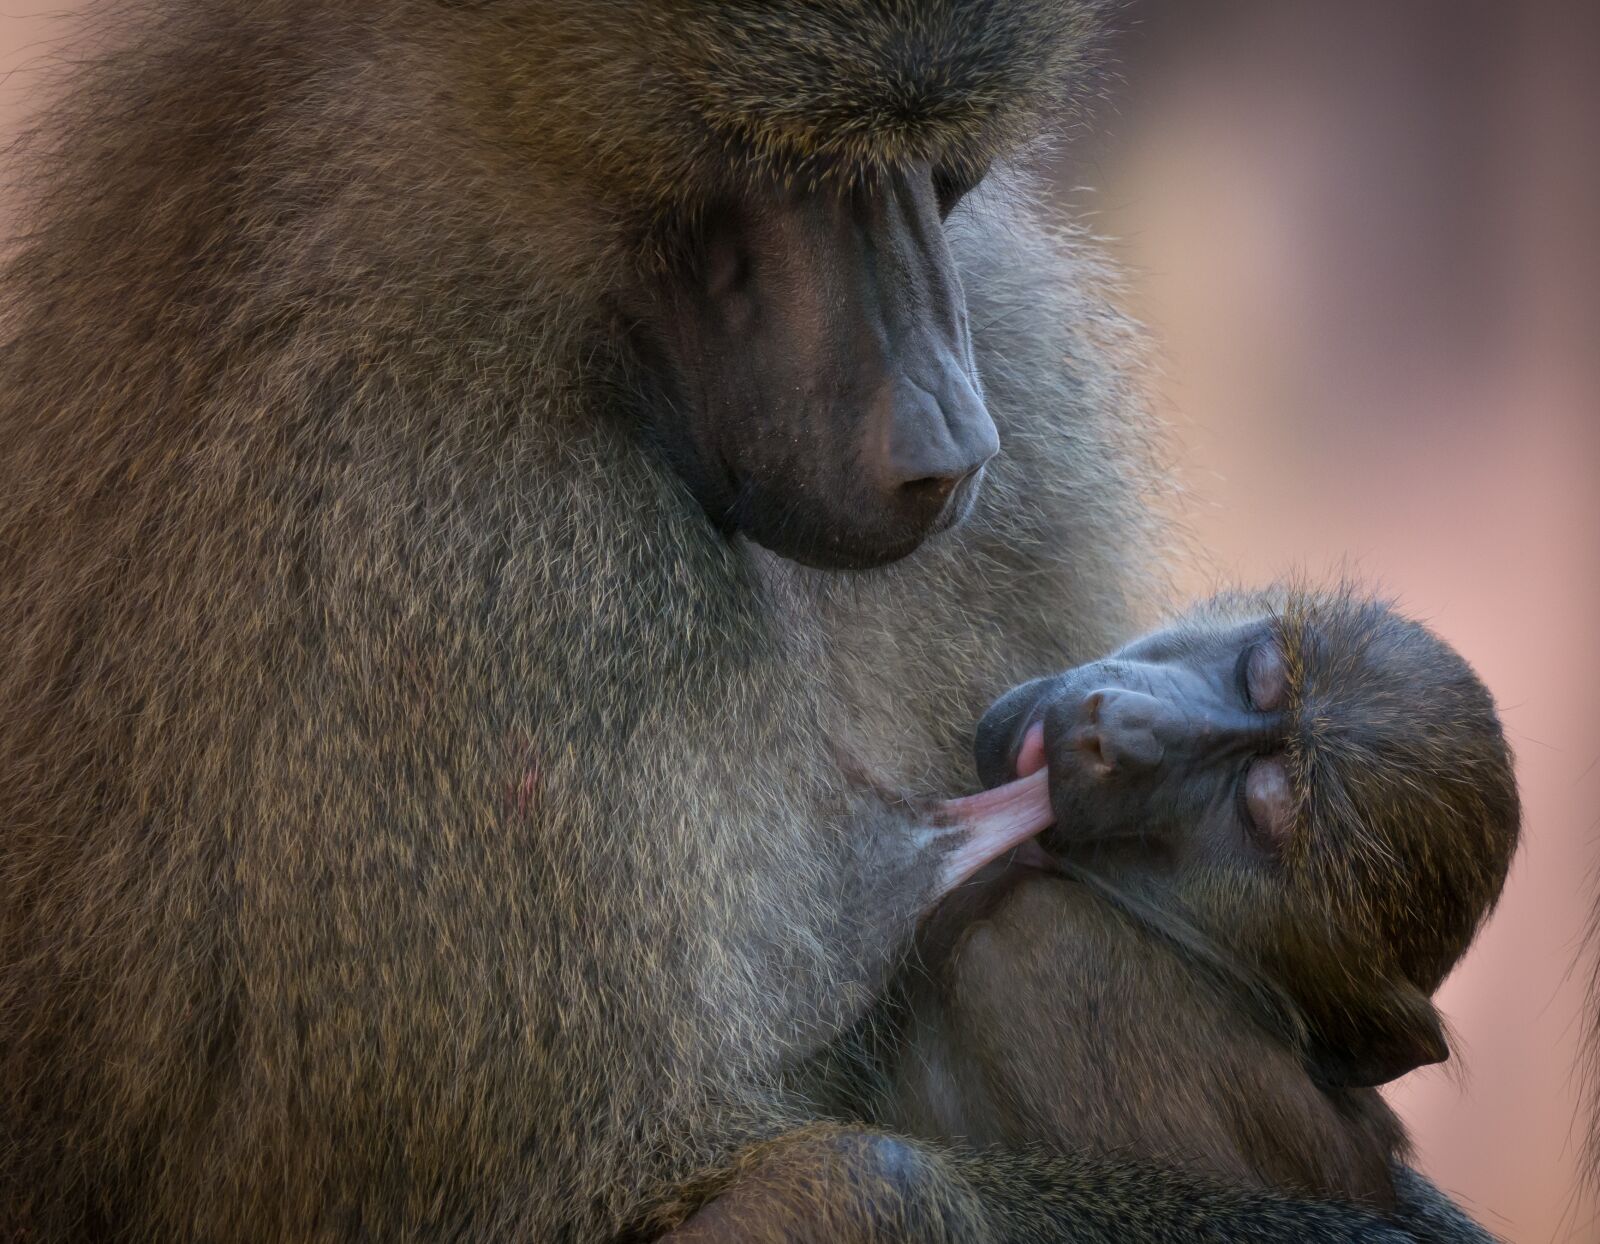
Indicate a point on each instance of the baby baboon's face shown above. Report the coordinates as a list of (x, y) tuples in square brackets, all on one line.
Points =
[(1175, 743)]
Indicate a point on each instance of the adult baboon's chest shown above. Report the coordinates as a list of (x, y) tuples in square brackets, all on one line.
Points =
[(900, 664)]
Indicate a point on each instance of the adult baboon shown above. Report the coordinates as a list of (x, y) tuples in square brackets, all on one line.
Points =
[(438, 803)]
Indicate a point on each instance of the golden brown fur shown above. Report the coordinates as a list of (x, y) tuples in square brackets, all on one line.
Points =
[(418, 822), (417, 818), (1151, 1057), (1230, 1018), (1408, 819)]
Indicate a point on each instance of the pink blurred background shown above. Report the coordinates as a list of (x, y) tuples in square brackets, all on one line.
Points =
[(1363, 236)]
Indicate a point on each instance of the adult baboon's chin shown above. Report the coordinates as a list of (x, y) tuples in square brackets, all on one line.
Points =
[(420, 820)]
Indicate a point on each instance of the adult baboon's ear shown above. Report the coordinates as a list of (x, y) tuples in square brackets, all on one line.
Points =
[(1399, 1032)]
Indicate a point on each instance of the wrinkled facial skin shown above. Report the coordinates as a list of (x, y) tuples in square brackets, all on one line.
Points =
[(819, 392), (1173, 744)]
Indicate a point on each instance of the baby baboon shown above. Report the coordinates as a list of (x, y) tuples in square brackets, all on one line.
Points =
[(460, 725), (1278, 824)]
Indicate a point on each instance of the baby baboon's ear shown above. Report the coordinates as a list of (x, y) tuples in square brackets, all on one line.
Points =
[(1398, 1032)]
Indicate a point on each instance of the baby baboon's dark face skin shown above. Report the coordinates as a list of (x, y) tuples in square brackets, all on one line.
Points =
[(1175, 741)]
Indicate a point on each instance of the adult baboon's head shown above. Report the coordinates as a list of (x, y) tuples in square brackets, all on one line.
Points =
[(785, 169)]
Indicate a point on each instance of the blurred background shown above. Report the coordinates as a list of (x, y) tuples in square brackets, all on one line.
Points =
[(1363, 236)]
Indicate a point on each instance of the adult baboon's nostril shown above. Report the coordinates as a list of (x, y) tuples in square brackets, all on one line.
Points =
[(936, 440)]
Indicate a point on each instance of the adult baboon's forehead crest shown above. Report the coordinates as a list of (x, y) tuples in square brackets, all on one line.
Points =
[(878, 82), (664, 101)]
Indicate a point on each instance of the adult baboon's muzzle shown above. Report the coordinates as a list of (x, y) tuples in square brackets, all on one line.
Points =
[(825, 399)]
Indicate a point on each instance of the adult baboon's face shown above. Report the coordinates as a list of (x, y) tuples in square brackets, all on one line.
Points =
[(821, 393), (769, 178)]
